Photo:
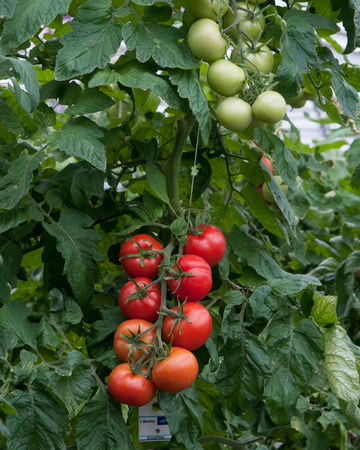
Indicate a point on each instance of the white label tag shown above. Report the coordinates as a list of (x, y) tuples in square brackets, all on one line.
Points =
[(153, 425)]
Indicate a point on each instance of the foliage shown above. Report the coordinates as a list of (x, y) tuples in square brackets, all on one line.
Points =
[(95, 148)]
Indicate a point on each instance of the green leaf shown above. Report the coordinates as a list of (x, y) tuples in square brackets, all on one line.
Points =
[(159, 42), (78, 245), (298, 44), (10, 260), (28, 76), (17, 182), (101, 426), (28, 17), (11, 218), (341, 364), (80, 137), (188, 86), (157, 181), (184, 415), (345, 94), (111, 317), (14, 317), (72, 383), (92, 100), (350, 15), (9, 119), (135, 76), (95, 36), (295, 350), (245, 364), (261, 211), (324, 309), (40, 422), (7, 7)]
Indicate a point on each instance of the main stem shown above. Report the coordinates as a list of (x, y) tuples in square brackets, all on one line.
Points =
[(184, 126)]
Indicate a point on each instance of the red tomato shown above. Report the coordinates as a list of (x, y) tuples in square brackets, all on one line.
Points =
[(131, 327), (190, 335), (141, 304), (268, 163), (130, 388), (147, 263), (194, 286), (176, 372), (210, 244)]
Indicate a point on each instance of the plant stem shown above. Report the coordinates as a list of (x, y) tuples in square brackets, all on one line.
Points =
[(172, 169)]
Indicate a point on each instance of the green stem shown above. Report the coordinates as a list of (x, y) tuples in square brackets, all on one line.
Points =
[(172, 169)]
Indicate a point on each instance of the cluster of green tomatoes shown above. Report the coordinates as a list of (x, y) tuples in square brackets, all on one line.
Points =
[(227, 38)]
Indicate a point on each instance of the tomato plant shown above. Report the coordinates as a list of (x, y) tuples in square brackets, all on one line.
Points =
[(234, 114), (138, 300), (209, 243), (130, 388), (176, 372), (147, 263), (225, 77), (190, 332), (205, 40), (133, 339), (269, 106), (190, 278)]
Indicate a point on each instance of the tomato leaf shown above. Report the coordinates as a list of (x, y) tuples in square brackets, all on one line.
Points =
[(295, 351), (10, 260), (27, 18), (95, 36), (160, 42), (40, 421), (101, 425), (324, 309), (92, 100), (80, 137), (7, 7), (78, 245), (184, 415), (350, 15), (341, 364)]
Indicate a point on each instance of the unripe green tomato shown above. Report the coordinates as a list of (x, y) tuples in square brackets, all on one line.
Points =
[(252, 26), (269, 106), (298, 101), (207, 9), (225, 77), (234, 114), (205, 40), (259, 60), (266, 192)]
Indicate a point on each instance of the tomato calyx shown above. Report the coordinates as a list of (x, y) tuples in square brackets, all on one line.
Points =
[(141, 290), (142, 254)]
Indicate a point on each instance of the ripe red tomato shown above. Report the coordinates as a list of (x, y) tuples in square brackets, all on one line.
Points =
[(147, 263), (136, 303), (190, 335), (131, 327), (130, 388), (268, 163), (197, 284), (210, 244), (176, 372)]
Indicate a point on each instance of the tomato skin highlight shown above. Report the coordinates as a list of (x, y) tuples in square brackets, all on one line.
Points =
[(129, 388), (210, 244), (176, 372), (136, 326), (192, 287), (145, 306), (133, 265), (191, 335)]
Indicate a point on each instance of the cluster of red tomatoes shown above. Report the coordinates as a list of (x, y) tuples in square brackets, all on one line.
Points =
[(155, 343), (240, 28)]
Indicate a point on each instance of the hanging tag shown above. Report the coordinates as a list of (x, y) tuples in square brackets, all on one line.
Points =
[(153, 425)]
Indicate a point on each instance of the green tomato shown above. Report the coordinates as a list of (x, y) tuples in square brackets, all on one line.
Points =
[(207, 9), (259, 60), (269, 106), (266, 192), (252, 22), (234, 114), (205, 40), (225, 77)]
